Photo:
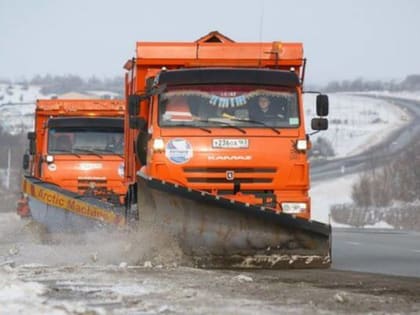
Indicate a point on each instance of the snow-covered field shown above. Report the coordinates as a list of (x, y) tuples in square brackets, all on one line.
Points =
[(355, 124), (17, 105)]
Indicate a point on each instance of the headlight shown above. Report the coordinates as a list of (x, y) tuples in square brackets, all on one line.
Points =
[(121, 170), (49, 158), (293, 207), (158, 145), (302, 145)]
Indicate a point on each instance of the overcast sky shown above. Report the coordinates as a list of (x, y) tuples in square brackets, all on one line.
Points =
[(376, 39)]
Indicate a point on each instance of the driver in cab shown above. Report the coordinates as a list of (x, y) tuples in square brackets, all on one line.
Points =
[(264, 110)]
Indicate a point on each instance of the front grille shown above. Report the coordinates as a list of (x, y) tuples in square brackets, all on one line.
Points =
[(83, 184), (218, 175), (225, 181), (257, 193), (99, 190), (224, 169)]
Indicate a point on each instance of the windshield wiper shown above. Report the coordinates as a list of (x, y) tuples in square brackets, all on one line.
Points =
[(224, 123), (88, 151), (66, 151), (256, 122), (110, 151), (191, 125)]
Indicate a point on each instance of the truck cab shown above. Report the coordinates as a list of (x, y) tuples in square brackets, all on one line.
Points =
[(78, 146), (236, 133)]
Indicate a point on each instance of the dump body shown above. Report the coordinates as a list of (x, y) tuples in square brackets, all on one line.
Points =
[(201, 122)]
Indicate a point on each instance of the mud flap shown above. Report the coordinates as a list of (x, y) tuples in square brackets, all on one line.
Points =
[(22, 207), (216, 232)]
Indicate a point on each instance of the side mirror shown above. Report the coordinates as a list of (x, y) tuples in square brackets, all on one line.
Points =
[(32, 139), (134, 105), (322, 105), (31, 135), (25, 162), (137, 123), (319, 124)]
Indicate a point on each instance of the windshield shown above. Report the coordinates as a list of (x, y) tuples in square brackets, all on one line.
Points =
[(99, 141), (218, 106)]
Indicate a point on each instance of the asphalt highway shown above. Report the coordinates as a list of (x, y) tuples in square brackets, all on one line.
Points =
[(388, 252)]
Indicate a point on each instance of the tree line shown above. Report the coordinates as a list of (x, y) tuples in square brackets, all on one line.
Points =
[(390, 194), (410, 83), (60, 84), (399, 180)]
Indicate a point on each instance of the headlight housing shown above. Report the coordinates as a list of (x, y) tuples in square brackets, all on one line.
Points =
[(294, 207), (158, 145), (302, 145), (49, 158)]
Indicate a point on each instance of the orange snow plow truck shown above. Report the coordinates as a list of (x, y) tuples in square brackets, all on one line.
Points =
[(74, 165), (220, 146)]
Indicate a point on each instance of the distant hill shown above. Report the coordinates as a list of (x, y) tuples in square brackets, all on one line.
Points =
[(73, 83), (409, 84)]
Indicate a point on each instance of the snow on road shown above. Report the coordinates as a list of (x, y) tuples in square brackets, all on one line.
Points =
[(101, 288)]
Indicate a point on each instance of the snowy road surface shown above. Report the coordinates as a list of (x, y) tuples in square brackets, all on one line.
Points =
[(112, 274), (89, 289)]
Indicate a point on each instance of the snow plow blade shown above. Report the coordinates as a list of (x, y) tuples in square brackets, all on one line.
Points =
[(60, 210), (216, 232)]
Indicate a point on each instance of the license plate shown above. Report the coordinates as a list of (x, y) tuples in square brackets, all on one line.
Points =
[(230, 143)]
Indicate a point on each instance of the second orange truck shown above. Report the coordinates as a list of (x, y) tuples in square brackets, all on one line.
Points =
[(74, 165)]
